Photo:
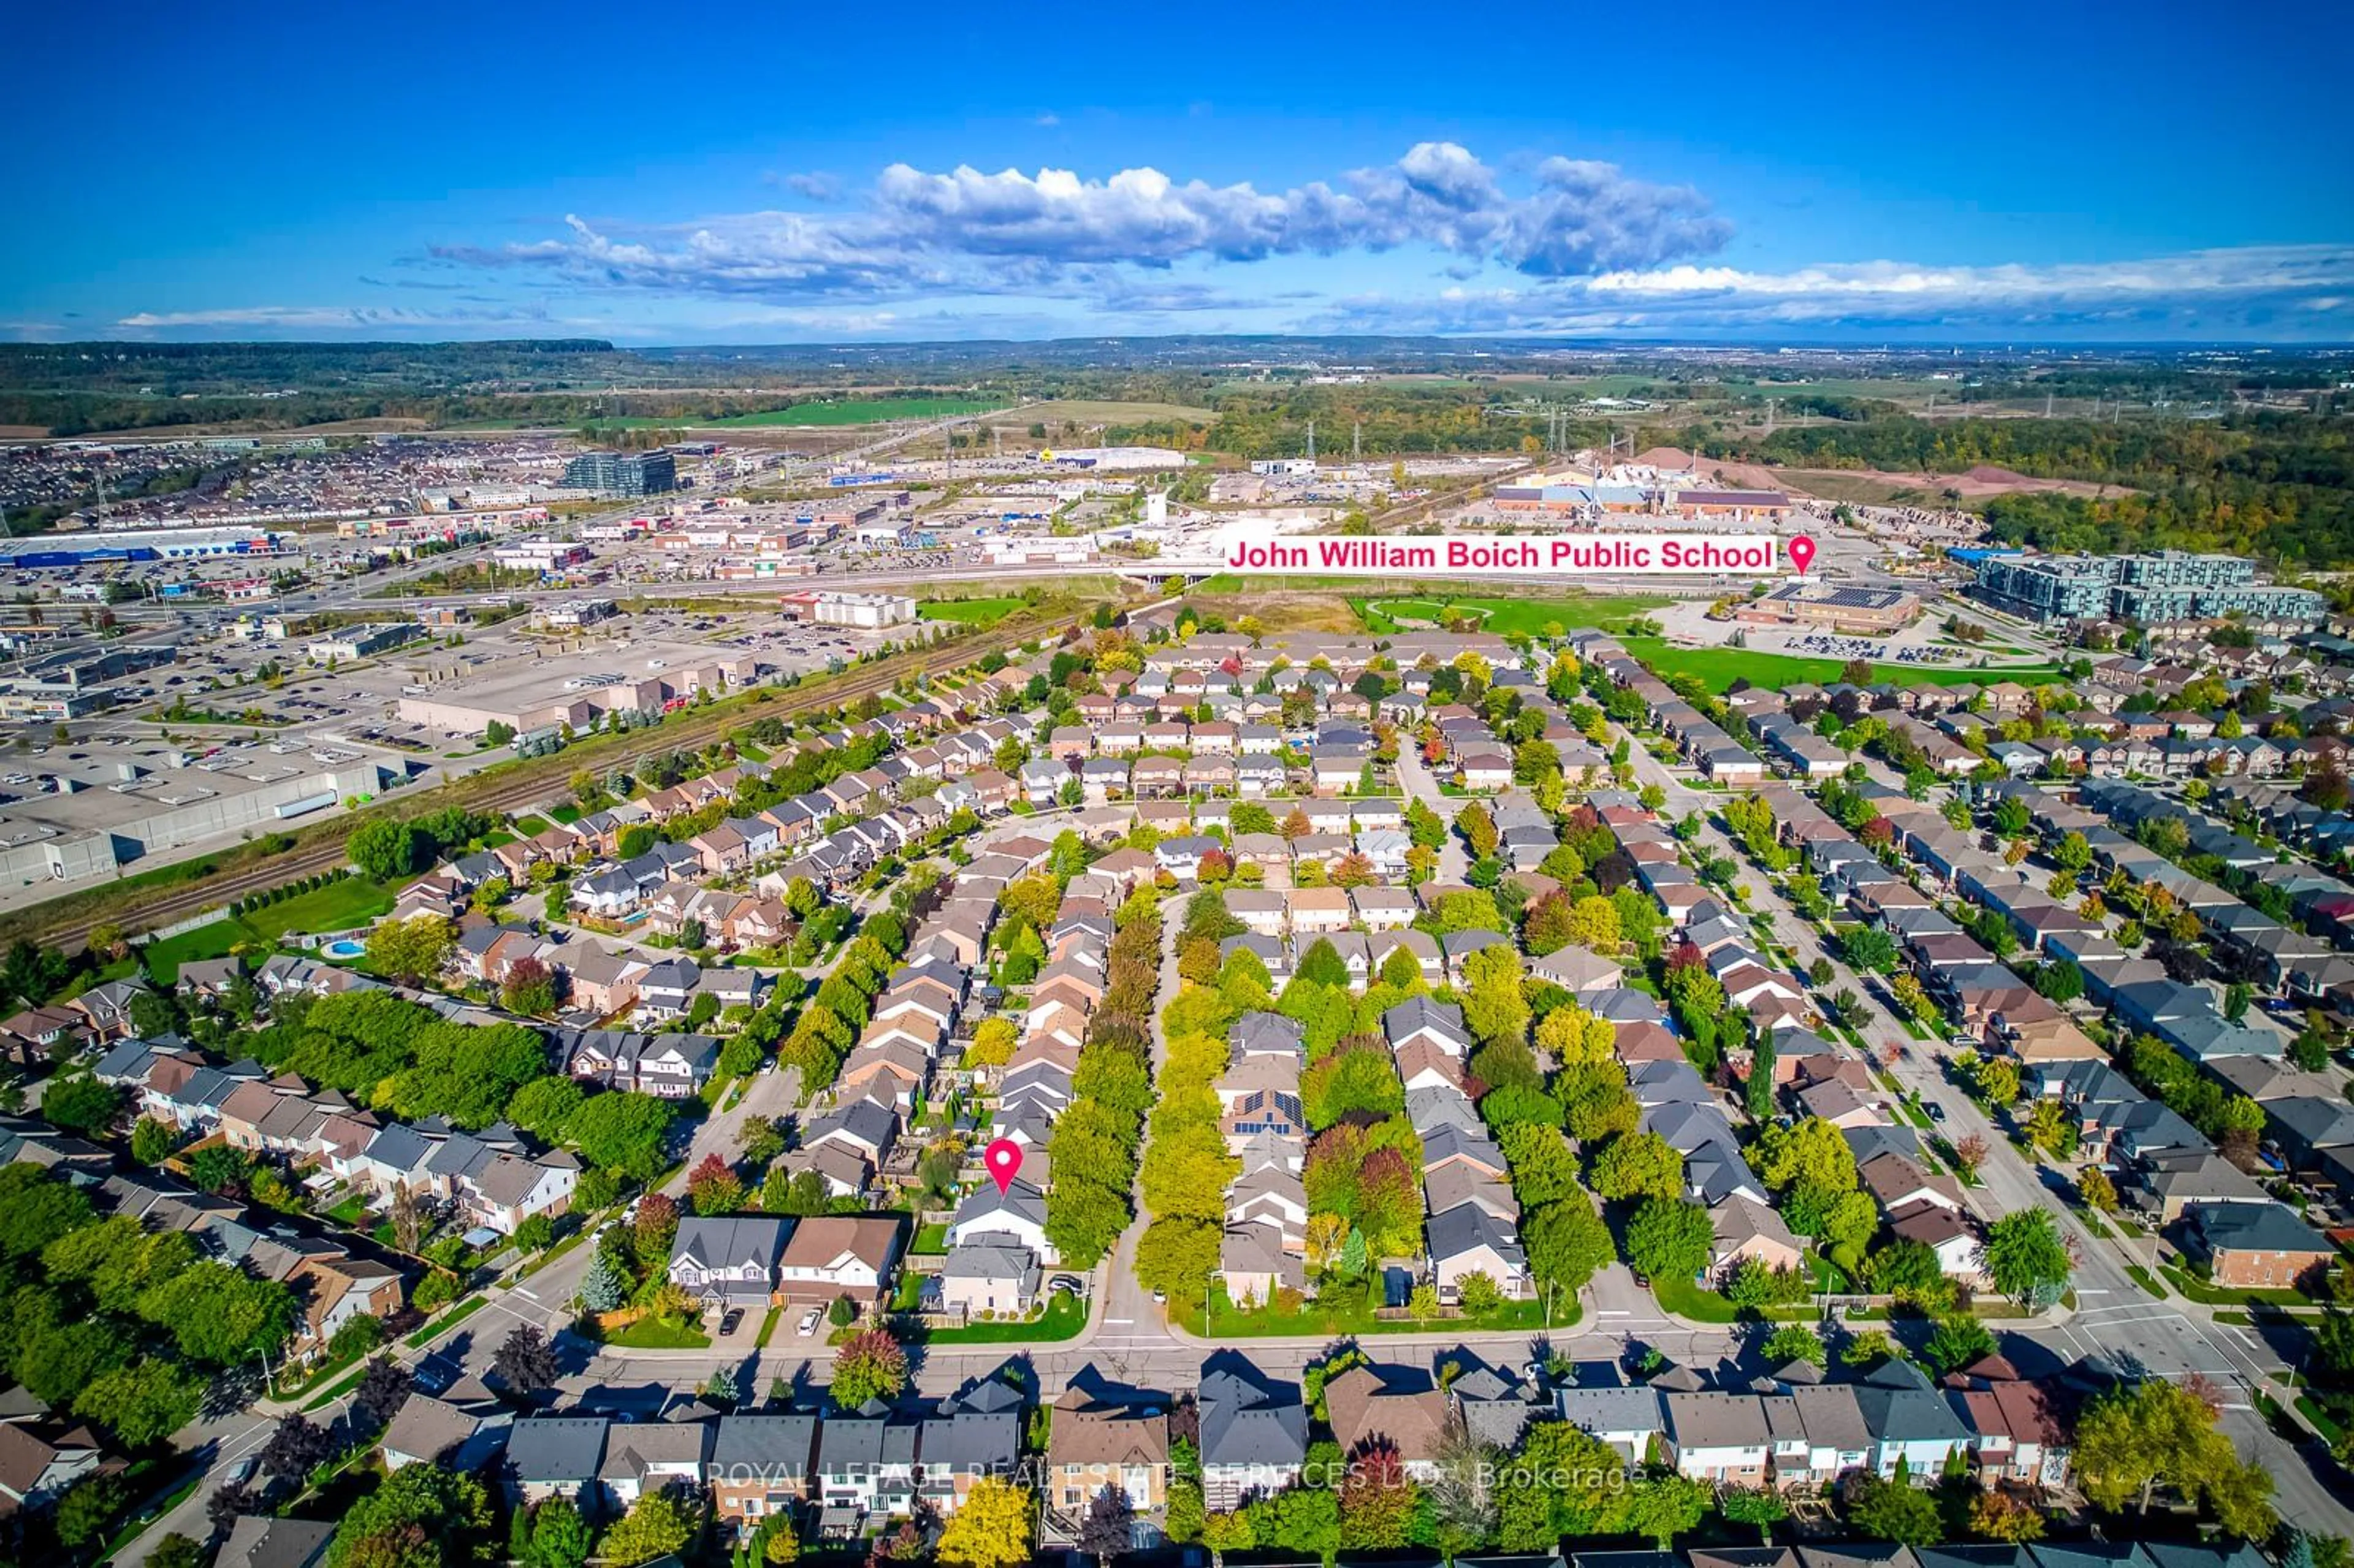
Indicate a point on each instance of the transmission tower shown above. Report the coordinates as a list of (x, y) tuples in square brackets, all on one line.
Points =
[(1311, 440)]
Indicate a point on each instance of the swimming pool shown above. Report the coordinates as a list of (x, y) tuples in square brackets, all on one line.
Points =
[(343, 947)]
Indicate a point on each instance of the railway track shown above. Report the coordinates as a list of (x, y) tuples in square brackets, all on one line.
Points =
[(71, 932)]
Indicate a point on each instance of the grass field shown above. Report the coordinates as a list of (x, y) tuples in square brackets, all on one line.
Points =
[(1718, 668), (979, 613), (859, 411), (1528, 617), (1861, 489)]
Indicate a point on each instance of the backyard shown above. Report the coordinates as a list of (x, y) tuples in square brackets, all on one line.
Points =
[(1347, 1311), (338, 906)]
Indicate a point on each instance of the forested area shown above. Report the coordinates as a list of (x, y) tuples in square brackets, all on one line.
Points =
[(2278, 485)]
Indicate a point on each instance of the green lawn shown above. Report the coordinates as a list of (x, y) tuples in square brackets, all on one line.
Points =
[(2201, 1290), (1343, 1311), (338, 906), (1063, 1317), (931, 1241), (1686, 1299), (1528, 617), (981, 613), (447, 1322), (856, 411), (530, 827), (654, 1334), (2147, 1281), (1718, 668)]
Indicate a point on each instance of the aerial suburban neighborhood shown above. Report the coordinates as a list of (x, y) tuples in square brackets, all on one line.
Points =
[(1199, 813)]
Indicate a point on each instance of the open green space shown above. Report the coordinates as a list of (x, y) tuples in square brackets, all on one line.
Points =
[(1505, 617), (1718, 668), (859, 411), (1059, 411), (2212, 1294), (982, 614)]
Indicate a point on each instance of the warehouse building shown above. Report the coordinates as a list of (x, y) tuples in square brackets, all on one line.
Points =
[(639, 689)]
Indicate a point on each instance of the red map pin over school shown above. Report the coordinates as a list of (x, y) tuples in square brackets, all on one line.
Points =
[(1802, 551), (1003, 1158)]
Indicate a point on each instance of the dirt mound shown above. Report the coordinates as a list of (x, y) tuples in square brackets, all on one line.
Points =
[(1987, 473), (1667, 459)]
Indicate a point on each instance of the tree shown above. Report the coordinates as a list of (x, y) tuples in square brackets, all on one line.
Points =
[(152, 1142), (1758, 1089), (1668, 1239), (2136, 1438), (1957, 1341), (218, 1313), (872, 1365), (91, 1506), (144, 1402), (1566, 1243), (2027, 1259), (81, 1104), (623, 1133), (1883, 1510), (296, 1447), (1812, 1155), (1759, 1506), (1998, 1516), (991, 1530), (994, 1038), (560, 1536), (1794, 1342), (1664, 1506), (1997, 1078), (411, 950), (712, 1188), (386, 850), (1377, 1499), (525, 1361), (529, 988), (384, 1387), (1868, 950), (1104, 1531), (661, 1524), (176, 1550), (2096, 1189), (542, 1107), (1638, 1165)]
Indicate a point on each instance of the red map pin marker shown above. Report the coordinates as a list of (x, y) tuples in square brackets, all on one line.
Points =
[(1003, 1158), (1802, 551)]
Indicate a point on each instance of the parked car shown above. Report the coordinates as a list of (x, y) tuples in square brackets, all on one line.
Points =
[(808, 1321), (731, 1320)]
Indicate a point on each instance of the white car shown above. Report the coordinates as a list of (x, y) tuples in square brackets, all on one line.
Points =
[(808, 1321)]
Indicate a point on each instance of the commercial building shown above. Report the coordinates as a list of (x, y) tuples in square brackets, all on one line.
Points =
[(2153, 590), (622, 474), (139, 545), (655, 679), (363, 641), (1859, 611), (867, 611)]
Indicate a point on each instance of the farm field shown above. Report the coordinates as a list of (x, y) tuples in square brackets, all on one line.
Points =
[(1718, 668), (860, 411), (1090, 411), (981, 613), (1526, 617)]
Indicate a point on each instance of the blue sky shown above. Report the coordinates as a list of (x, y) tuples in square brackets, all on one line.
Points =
[(2006, 172)]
